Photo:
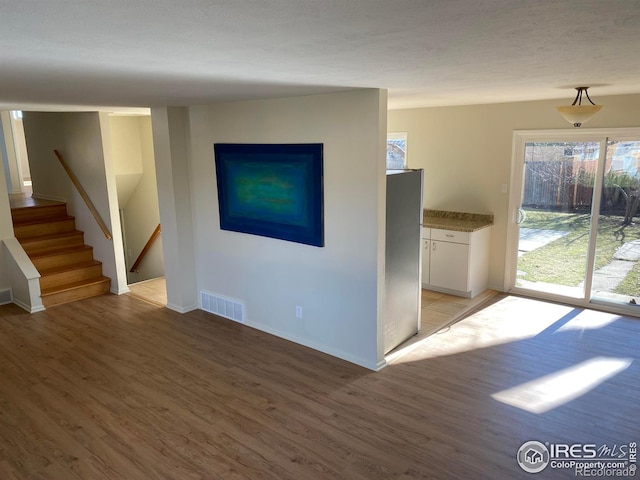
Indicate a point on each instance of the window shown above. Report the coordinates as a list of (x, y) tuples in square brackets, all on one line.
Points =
[(396, 151), (16, 114)]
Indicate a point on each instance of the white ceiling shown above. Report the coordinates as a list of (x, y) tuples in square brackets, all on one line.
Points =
[(426, 52)]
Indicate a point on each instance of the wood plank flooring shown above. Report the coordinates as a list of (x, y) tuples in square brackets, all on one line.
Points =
[(19, 200), (153, 290), (118, 388)]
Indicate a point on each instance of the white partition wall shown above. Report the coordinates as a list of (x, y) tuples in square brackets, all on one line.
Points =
[(336, 286)]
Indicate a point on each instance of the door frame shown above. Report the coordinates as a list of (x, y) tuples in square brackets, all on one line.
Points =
[(520, 138)]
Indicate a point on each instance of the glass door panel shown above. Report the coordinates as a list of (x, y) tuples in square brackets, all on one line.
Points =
[(555, 216), (617, 253)]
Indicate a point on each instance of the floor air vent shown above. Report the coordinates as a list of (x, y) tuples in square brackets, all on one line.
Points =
[(225, 307)]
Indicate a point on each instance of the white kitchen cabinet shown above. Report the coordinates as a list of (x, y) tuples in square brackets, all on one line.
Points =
[(426, 255), (449, 266), (456, 262)]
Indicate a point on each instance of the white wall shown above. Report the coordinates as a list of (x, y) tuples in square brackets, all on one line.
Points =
[(337, 285), (21, 148), (171, 152), (6, 223), (79, 138), (132, 150), (126, 144), (24, 277), (112, 251), (43, 133), (466, 153), (10, 156), (16, 270)]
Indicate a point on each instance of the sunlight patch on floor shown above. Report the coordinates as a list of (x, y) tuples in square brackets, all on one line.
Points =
[(589, 320), (508, 320), (551, 391), (551, 288)]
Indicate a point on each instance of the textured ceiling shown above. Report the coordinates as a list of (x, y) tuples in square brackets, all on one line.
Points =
[(426, 52)]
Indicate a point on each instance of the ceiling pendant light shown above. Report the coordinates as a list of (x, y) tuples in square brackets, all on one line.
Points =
[(576, 113)]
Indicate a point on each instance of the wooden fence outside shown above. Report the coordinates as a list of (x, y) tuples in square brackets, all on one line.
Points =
[(554, 185)]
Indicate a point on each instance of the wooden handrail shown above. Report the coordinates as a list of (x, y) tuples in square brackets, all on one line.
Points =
[(83, 194), (146, 248)]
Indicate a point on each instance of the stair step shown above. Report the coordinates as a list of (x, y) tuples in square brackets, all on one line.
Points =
[(70, 292), (66, 265), (52, 277), (44, 243), (33, 213), (62, 257), (44, 227)]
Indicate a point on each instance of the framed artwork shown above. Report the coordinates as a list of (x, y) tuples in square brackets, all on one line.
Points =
[(272, 190)]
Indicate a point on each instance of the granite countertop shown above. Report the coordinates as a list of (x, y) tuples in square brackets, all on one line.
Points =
[(458, 221)]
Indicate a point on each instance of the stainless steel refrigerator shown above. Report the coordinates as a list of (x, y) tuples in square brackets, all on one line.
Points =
[(403, 262)]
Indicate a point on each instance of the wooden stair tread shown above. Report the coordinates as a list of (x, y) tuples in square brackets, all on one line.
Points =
[(74, 285), (51, 236), (59, 251), (44, 204), (37, 208), (75, 266), (39, 221), (22, 214), (22, 200), (44, 243), (44, 227), (68, 271)]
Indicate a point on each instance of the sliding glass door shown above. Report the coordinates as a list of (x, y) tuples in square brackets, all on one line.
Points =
[(615, 275), (555, 216), (575, 216)]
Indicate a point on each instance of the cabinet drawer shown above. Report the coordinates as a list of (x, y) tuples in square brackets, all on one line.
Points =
[(426, 232), (450, 236)]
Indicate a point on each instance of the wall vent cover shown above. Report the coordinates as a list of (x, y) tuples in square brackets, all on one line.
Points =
[(223, 306)]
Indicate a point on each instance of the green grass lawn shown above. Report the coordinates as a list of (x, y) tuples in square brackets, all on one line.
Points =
[(563, 261)]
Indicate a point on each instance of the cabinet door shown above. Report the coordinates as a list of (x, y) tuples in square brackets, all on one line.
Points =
[(449, 265), (426, 254)]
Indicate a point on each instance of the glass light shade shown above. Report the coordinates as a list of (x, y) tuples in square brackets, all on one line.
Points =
[(578, 114)]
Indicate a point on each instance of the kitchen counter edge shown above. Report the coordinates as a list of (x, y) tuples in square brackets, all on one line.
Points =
[(457, 221)]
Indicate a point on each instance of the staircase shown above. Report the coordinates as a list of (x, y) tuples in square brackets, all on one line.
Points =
[(66, 265)]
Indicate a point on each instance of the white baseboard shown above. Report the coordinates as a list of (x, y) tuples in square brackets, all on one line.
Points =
[(28, 308), (381, 364), (180, 309), (120, 291), (448, 291), (49, 197), (321, 348)]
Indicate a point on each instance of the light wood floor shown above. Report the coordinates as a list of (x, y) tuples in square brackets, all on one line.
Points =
[(153, 290), (118, 388), (18, 200), (440, 310)]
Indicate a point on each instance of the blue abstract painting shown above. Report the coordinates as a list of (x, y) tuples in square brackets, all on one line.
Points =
[(272, 190)]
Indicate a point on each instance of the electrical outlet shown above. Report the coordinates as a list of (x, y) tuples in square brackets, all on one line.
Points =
[(298, 311)]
